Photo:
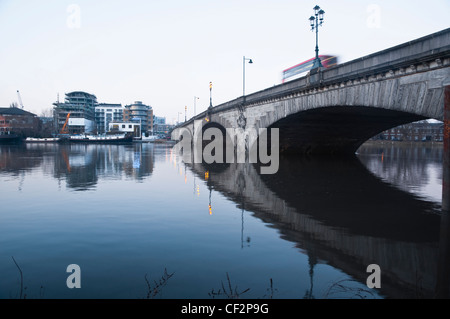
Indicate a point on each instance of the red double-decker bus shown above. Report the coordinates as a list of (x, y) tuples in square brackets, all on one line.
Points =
[(326, 60)]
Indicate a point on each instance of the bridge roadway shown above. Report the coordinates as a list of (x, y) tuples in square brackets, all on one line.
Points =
[(335, 110)]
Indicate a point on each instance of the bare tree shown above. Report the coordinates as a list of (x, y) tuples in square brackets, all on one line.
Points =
[(48, 112)]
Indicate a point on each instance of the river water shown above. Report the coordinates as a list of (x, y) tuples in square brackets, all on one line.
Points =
[(140, 224)]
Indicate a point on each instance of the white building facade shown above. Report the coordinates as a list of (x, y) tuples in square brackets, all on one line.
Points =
[(105, 113)]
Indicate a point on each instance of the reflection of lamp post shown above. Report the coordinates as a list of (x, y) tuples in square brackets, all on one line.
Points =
[(242, 230), (194, 185), (209, 206), (240, 186), (185, 113), (243, 75), (316, 21), (208, 183), (312, 261)]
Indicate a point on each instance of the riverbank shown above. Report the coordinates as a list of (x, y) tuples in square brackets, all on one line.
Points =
[(402, 143)]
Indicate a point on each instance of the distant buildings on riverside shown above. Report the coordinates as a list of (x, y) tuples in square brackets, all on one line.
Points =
[(89, 116), (422, 131), (81, 113)]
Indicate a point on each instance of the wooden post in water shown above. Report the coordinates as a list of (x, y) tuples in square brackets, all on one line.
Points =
[(443, 269), (446, 157)]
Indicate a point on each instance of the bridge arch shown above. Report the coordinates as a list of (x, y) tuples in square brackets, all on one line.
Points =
[(338, 118), (336, 129)]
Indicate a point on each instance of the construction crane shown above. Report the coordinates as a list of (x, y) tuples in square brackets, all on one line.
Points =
[(20, 99), (64, 129)]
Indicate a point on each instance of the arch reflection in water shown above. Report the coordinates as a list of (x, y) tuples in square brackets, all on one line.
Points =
[(337, 212)]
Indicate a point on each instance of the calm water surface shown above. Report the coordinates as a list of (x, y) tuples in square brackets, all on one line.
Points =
[(128, 213)]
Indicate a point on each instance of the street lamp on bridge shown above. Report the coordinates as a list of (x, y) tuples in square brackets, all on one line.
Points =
[(210, 95), (315, 21), (250, 61)]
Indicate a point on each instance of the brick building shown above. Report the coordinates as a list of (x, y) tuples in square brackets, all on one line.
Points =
[(20, 122)]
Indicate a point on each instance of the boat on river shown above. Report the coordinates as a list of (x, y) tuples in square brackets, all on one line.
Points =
[(99, 139), (145, 139), (9, 138), (42, 140)]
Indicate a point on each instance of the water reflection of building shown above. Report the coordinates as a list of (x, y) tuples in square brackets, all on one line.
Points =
[(341, 214), (15, 159), (84, 165)]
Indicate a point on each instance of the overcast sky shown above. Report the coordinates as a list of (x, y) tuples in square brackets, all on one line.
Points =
[(164, 53)]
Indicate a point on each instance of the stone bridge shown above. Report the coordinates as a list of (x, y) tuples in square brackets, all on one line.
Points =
[(336, 110)]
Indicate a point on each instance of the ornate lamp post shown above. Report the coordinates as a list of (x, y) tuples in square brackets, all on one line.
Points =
[(210, 95), (315, 21)]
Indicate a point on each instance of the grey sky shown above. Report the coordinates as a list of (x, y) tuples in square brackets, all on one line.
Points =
[(164, 53)]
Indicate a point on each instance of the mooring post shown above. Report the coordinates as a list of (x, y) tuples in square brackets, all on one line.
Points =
[(446, 156), (443, 275)]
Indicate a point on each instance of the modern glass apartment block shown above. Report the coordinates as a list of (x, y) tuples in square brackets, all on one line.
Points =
[(81, 106), (138, 112), (106, 113)]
